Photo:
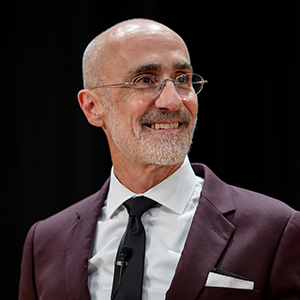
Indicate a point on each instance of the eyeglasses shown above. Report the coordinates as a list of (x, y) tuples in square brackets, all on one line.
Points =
[(150, 85)]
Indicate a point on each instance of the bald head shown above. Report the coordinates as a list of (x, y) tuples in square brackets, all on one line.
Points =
[(103, 50)]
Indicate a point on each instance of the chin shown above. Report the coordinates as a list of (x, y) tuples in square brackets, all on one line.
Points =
[(164, 154)]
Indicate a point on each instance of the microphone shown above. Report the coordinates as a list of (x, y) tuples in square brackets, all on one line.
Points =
[(121, 261), (123, 257)]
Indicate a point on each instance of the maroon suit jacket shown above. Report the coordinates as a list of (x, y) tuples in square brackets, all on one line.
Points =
[(233, 229)]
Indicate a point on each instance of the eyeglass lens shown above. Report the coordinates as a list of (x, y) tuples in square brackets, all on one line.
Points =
[(187, 85)]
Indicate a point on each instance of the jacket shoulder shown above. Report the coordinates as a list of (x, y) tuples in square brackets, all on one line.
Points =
[(260, 206), (245, 202), (66, 217)]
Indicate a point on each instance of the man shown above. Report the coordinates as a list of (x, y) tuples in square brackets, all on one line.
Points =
[(204, 238)]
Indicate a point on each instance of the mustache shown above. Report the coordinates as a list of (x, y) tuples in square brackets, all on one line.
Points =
[(160, 116)]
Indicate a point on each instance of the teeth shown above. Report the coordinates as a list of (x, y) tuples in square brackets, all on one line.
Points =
[(165, 125)]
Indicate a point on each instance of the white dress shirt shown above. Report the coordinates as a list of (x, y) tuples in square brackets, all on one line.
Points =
[(166, 226)]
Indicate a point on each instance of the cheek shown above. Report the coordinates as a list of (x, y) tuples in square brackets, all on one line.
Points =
[(132, 106), (136, 109), (191, 104)]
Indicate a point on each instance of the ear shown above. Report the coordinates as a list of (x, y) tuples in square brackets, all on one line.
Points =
[(91, 107)]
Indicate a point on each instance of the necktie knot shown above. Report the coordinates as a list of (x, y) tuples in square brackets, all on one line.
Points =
[(137, 206)]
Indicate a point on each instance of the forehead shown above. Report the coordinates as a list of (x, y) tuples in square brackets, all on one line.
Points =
[(144, 51)]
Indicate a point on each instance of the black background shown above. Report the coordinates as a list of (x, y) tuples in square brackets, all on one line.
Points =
[(248, 128)]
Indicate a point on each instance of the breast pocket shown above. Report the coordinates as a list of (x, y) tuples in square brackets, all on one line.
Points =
[(210, 293)]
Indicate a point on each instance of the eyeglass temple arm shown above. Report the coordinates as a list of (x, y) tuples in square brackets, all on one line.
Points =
[(115, 84)]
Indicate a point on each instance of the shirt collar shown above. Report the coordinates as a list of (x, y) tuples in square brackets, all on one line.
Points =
[(174, 192)]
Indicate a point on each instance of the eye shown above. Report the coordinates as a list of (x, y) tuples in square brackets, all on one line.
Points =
[(184, 79), (145, 80)]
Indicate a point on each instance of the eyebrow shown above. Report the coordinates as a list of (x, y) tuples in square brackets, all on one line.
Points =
[(180, 65), (144, 68)]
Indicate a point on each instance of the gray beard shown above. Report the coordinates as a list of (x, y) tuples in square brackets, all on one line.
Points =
[(163, 149)]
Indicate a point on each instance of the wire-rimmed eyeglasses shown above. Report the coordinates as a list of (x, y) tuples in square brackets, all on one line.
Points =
[(150, 85)]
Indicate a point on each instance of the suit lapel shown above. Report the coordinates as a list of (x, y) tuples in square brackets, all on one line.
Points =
[(78, 245), (209, 235)]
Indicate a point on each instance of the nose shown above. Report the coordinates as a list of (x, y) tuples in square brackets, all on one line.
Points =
[(168, 98)]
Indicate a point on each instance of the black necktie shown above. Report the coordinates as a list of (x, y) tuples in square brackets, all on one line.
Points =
[(129, 264)]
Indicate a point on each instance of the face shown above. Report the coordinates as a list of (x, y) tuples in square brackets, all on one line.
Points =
[(148, 130)]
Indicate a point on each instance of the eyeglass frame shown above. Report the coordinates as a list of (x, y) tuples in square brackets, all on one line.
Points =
[(160, 85)]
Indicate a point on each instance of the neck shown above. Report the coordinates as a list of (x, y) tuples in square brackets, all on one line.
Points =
[(140, 178)]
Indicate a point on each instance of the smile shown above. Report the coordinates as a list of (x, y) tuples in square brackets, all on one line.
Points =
[(164, 125)]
